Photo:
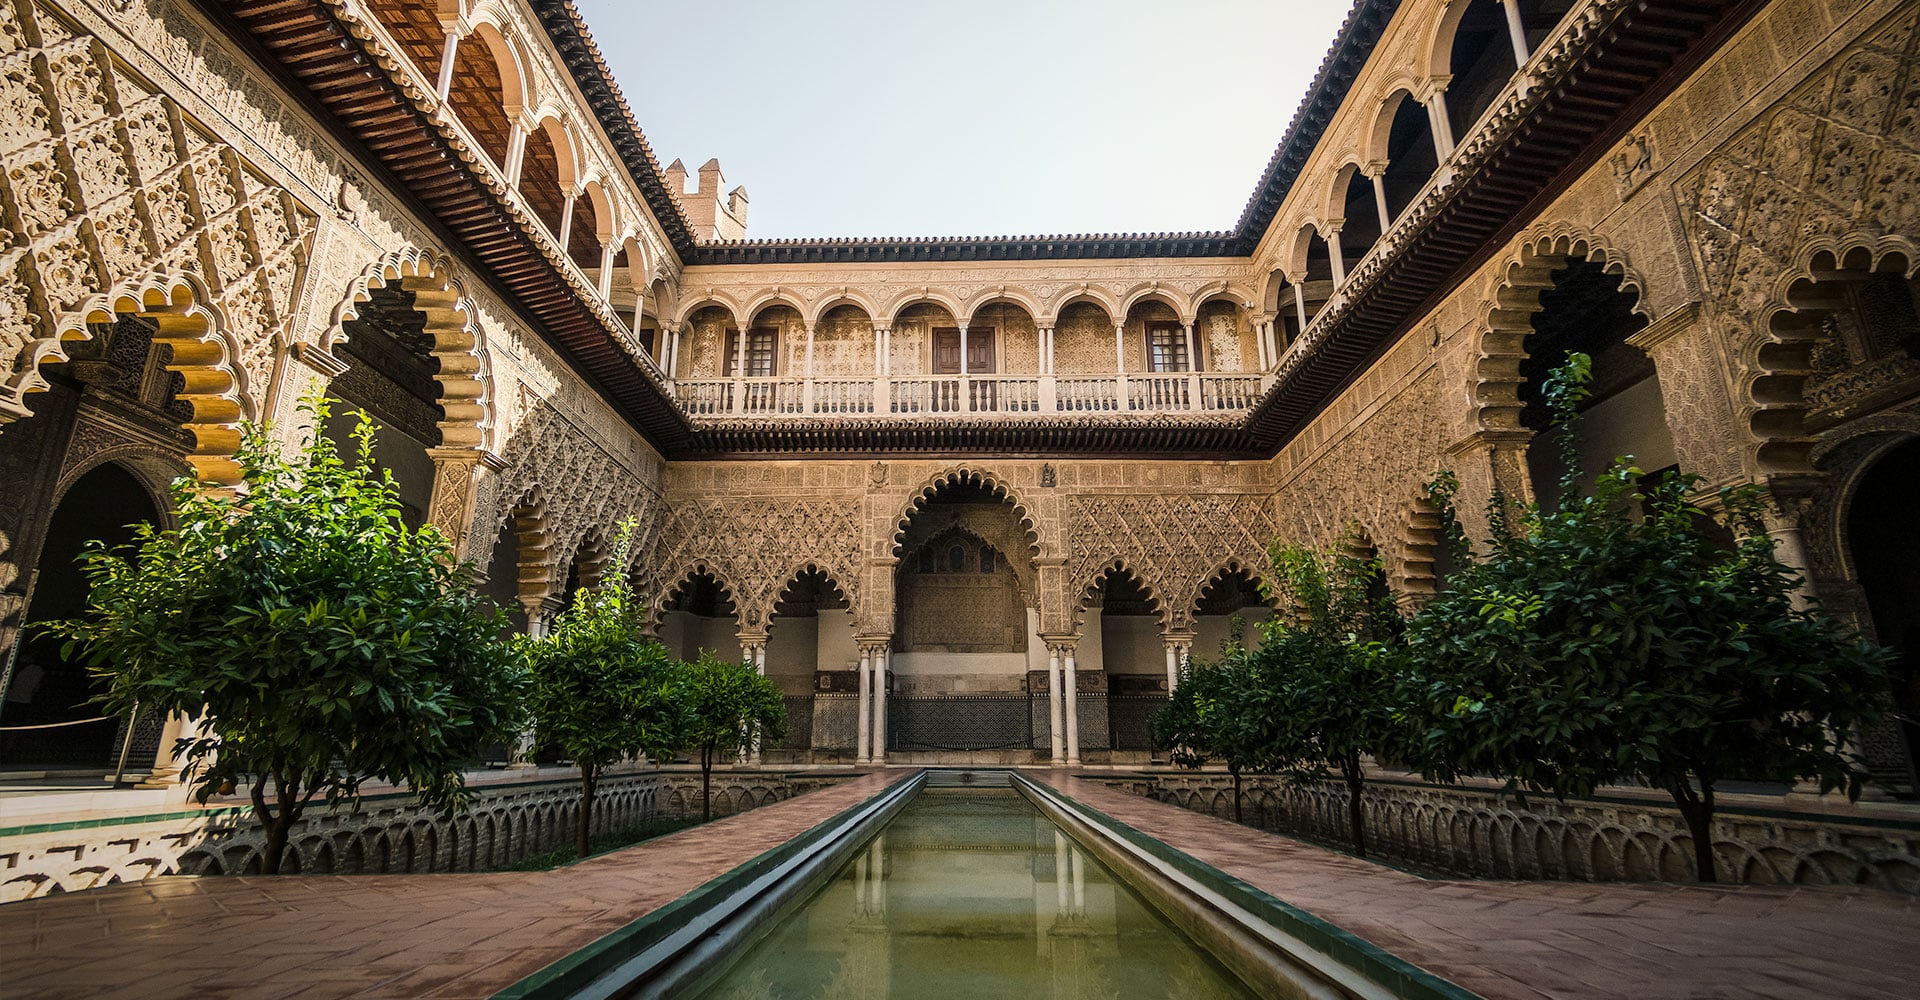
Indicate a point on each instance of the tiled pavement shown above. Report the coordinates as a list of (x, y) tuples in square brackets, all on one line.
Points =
[(446, 935), (470, 935), (1567, 939)]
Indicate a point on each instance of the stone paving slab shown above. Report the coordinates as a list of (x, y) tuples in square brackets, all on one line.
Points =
[(1533, 940), (330, 936)]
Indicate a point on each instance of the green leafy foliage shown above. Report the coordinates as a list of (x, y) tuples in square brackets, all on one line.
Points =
[(731, 707), (1614, 636), (602, 691), (320, 640), (1326, 669)]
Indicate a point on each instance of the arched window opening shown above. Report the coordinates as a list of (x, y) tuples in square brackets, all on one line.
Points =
[(1230, 597), (1317, 285), (46, 686), (1483, 57), (1886, 559), (1588, 311), (700, 614), (479, 97), (391, 375), (1362, 227), (540, 180), (583, 239), (1412, 156)]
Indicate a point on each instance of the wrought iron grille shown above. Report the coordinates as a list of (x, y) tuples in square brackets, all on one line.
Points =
[(835, 722), (1130, 719), (799, 734), (959, 722)]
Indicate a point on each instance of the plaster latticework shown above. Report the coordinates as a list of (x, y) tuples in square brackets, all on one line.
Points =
[(119, 204)]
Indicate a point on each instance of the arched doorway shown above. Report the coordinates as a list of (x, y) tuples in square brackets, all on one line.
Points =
[(812, 657), (1885, 550), (1588, 310), (46, 688), (1231, 602), (965, 634), (699, 614), (391, 375), (1120, 636)]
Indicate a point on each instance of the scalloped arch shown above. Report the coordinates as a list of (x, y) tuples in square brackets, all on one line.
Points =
[(656, 609), (1156, 594), (1506, 318), (1779, 362), (966, 475), (204, 352), (459, 345)]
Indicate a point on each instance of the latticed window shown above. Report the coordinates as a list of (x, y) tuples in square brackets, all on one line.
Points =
[(1167, 347), (760, 351)]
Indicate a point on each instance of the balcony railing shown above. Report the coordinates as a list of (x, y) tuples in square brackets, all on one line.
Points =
[(985, 394)]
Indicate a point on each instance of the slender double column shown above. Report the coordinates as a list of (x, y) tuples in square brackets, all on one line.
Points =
[(1063, 704), (870, 744), (1179, 649)]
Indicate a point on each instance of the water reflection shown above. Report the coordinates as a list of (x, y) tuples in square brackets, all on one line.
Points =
[(972, 893)]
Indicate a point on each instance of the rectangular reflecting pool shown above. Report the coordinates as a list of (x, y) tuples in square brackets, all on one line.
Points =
[(972, 893)]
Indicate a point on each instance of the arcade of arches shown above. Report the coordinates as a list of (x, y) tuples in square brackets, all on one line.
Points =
[(960, 499)]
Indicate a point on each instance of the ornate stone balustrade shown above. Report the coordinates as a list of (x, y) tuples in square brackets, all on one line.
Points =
[(935, 395), (1479, 832), (507, 822)]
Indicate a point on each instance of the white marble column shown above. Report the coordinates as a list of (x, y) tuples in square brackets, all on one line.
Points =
[(1379, 178), (1336, 256), (1056, 728), (444, 84), (1516, 31), (1071, 709), (863, 743)]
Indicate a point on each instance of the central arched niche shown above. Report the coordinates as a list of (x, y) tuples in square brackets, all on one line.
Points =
[(965, 629)]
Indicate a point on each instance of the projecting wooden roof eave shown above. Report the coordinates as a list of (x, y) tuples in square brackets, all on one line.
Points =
[(371, 109)]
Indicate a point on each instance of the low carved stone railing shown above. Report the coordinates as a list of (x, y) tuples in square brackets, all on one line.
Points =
[(507, 822), (1482, 833), (939, 395)]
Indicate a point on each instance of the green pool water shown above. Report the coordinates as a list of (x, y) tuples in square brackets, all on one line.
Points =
[(973, 893)]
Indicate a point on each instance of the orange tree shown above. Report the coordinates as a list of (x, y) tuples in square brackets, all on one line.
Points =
[(320, 641), (1616, 636), (601, 690), (730, 705)]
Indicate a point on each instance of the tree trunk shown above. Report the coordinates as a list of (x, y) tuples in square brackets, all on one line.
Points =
[(277, 831), (1697, 810), (1356, 815), (276, 822), (706, 783), (1236, 797), (587, 782)]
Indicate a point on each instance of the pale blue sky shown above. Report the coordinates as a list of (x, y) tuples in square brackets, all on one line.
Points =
[(970, 117)]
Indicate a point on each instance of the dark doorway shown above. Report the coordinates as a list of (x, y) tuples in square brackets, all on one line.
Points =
[(1882, 535), (46, 688)]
